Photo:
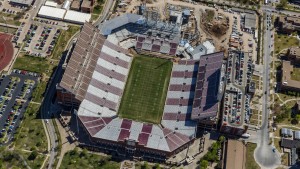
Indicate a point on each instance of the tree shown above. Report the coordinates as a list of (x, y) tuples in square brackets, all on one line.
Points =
[(294, 121), (145, 165), (156, 166), (221, 139), (33, 155), (84, 153), (203, 164), (282, 4)]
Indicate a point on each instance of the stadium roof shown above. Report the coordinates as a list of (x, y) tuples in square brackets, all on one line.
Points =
[(205, 104), (77, 17), (83, 61), (96, 75), (23, 2), (51, 12), (107, 26)]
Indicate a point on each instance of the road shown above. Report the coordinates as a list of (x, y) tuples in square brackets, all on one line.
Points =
[(50, 91), (263, 153)]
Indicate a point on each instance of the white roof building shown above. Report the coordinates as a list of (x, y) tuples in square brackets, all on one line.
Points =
[(297, 135), (51, 13), (209, 47), (51, 3), (77, 17)]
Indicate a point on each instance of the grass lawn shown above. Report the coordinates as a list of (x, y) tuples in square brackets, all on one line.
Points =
[(285, 159), (210, 15), (254, 77), (78, 160), (11, 159), (30, 135), (284, 42), (94, 17), (277, 144), (9, 30), (250, 162), (295, 75), (38, 93), (36, 163), (63, 39), (32, 64), (97, 9), (146, 89)]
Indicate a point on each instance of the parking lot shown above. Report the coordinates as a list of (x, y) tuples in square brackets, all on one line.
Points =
[(15, 95), (237, 101), (40, 40)]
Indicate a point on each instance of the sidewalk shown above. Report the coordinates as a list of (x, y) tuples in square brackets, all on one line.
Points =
[(66, 145)]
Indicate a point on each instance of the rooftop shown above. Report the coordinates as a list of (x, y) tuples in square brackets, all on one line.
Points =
[(77, 17), (289, 143), (236, 154), (75, 4), (52, 12), (286, 80), (86, 4), (24, 2), (250, 21)]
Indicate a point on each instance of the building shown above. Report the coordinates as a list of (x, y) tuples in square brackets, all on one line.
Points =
[(66, 5), (21, 2), (288, 24), (235, 156), (250, 21), (287, 83), (295, 2), (297, 135), (87, 6), (285, 132), (291, 146), (77, 17), (176, 17), (51, 13), (51, 4), (95, 79), (294, 55), (75, 5)]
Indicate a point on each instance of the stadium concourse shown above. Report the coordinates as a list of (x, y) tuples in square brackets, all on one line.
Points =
[(102, 68), (6, 50)]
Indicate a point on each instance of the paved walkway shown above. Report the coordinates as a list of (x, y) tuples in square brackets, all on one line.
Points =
[(66, 145)]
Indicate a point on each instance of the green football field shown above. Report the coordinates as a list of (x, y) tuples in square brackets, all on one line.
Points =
[(145, 92)]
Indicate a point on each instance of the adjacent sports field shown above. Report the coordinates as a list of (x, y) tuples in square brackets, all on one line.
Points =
[(146, 89)]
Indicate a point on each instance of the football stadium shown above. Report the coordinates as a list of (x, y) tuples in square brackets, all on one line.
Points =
[(147, 105)]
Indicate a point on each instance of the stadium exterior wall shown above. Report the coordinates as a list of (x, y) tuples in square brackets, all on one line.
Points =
[(66, 98)]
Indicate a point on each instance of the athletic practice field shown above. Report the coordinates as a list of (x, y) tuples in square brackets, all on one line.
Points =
[(146, 89)]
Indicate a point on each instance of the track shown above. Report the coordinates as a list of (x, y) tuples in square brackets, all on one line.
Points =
[(6, 50)]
